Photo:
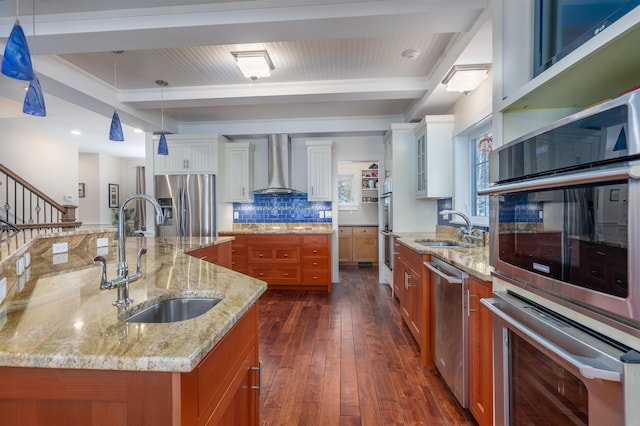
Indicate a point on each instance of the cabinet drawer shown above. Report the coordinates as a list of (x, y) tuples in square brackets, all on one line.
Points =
[(316, 276), (314, 240), (345, 231), (315, 251), (288, 254), (365, 231), (276, 274), (311, 263)]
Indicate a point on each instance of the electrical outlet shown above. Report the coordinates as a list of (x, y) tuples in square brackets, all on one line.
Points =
[(60, 248), (102, 242), (328, 214), (27, 259), (3, 288), (236, 215), (102, 251), (60, 258), (321, 212), (20, 266)]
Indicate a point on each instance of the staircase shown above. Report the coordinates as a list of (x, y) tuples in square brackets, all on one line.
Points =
[(27, 211)]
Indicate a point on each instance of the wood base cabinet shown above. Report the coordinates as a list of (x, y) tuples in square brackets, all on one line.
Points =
[(284, 261), (415, 299), (222, 390), (220, 254), (358, 244), (480, 353)]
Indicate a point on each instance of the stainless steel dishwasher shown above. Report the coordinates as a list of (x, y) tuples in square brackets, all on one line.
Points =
[(451, 328)]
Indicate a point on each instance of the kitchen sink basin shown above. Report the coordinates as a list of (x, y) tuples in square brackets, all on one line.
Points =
[(439, 244), (174, 310)]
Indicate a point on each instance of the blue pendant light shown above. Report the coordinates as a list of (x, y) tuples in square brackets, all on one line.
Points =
[(163, 148), (16, 61), (115, 133), (34, 99)]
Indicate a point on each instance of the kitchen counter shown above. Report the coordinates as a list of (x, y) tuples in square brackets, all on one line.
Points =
[(473, 260), (55, 315), (280, 228)]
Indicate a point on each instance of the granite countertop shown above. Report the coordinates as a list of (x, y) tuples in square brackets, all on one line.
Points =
[(280, 228), (473, 260), (56, 316)]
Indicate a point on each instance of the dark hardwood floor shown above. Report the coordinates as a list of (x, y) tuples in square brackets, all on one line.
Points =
[(346, 359)]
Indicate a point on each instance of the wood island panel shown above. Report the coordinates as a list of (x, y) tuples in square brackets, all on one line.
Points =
[(220, 391)]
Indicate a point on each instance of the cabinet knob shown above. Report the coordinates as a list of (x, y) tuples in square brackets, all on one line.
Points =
[(261, 274), (315, 251), (286, 255), (261, 255), (286, 274)]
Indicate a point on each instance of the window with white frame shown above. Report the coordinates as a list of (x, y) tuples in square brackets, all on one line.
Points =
[(347, 192), (472, 171)]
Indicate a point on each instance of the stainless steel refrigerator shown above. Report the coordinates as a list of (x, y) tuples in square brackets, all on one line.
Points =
[(189, 205)]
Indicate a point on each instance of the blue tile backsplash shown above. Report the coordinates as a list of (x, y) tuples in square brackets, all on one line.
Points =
[(282, 208)]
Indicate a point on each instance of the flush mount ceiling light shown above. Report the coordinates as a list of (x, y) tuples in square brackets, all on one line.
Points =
[(410, 54), (254, 64), (466, 78)]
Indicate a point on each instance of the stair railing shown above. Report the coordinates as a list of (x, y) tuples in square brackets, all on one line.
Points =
[(27, 208)]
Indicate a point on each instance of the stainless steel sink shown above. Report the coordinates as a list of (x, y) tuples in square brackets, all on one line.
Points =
[(439, 244), (174, 310)]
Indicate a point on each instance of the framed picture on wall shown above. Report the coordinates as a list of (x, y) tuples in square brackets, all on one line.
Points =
[(81, 190), (114, 195)]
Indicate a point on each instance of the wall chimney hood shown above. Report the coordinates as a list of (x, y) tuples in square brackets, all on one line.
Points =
[(279, 166)]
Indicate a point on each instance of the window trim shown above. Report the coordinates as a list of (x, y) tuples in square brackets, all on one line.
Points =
[(462, 171)]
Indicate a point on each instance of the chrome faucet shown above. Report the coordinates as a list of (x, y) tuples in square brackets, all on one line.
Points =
[(121, 282), (473, 236)]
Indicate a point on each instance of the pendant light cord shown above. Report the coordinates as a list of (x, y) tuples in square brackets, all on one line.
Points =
[(33, 30), (162, 108)]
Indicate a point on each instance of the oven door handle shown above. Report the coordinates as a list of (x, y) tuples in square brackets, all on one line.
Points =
[(599, 176), (586, 370), (449, 278)]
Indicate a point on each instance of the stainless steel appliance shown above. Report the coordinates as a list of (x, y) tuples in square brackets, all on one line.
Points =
[(387, 228), (565, 228), (550, 370), (565, 212), (451, 327), (188, 204)]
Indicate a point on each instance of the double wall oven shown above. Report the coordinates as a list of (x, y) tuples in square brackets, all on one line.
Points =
[(386, 228), (565, 229)]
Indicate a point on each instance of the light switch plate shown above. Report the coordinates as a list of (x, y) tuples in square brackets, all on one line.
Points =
[(20, 266), (27, 259), (102, 242), (60, 258), (60, 248)]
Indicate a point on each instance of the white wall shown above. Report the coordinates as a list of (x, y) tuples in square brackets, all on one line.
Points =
[(49, 165), (97, 171)]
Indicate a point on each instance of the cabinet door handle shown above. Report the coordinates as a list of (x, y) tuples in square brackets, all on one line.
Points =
[(286, 274), (315, 251), (260, 255), (259, 370), (285, 255)]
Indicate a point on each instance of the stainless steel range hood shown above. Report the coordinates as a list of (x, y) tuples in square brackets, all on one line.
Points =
[(279, 167)]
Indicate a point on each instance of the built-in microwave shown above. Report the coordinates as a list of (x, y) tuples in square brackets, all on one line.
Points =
[(565, 212)]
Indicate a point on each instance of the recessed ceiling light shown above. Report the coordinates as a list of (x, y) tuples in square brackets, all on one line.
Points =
[(410, 53), (76, 132)]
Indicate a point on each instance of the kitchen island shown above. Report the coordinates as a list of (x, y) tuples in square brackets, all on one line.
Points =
[(66, 358)]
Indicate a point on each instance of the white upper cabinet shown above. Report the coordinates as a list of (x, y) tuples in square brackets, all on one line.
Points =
[(434, 157), (188, 154), (319, 171), (239, 172)]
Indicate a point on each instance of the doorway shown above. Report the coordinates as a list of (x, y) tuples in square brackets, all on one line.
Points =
[(358, 213)]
